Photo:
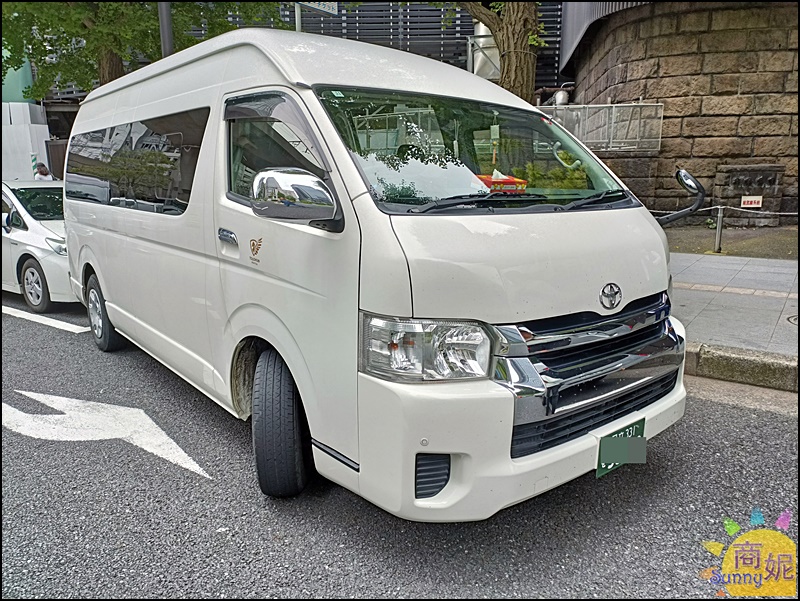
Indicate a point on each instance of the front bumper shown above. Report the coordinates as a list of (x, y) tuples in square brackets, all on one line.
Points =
[(56, 270), (473, 422)]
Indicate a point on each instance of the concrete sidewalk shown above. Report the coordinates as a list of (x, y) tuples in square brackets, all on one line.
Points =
[(740, 316)]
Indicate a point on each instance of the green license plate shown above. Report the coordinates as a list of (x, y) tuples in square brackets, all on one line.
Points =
[(626, 445)]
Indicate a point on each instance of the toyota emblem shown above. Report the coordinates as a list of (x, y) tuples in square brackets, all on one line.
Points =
[(611, 296)]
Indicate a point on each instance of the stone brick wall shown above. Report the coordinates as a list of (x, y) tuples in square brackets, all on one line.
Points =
[(726, 73)]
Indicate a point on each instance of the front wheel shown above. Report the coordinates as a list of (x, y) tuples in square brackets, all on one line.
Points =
[(34, 287), (105, 336), (281, 439)]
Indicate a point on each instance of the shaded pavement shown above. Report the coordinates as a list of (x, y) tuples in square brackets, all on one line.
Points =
[(747, 306)]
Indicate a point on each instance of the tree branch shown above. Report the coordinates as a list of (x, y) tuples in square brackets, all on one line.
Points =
[(488, 17)]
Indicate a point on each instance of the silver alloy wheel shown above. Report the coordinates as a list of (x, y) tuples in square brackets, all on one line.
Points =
[(95, 313), (33, 286)]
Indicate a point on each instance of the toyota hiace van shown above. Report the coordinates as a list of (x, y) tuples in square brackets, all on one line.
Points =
[(410, 280)]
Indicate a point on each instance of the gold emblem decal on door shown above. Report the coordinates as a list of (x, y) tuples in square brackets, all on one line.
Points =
[(255, 246)]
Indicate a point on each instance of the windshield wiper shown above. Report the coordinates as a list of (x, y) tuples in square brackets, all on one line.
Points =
[(593, 198), (472, 199)]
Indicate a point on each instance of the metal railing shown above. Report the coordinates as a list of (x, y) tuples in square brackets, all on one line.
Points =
[(612, 127), (720, 219)]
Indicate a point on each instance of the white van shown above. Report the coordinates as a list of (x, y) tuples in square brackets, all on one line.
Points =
[(418, 285)]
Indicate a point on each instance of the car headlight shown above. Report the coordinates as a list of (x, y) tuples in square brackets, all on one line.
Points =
[(669, 288), (418, 350), (58, 246)]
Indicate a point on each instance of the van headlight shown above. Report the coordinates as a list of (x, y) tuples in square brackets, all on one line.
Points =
[(59, 246), (419, 350)]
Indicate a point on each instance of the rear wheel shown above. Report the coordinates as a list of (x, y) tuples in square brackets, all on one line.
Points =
[(105, 336), (34, 287), (281, 440)]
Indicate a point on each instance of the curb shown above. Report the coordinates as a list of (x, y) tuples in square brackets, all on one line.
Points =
[(757, 368)]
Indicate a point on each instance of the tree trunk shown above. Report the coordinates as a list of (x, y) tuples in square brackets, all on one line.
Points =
[(517, 56), (511, 30), (109, 66)]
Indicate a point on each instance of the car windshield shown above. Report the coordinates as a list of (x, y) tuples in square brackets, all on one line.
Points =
[(43, 204), (456, 154)]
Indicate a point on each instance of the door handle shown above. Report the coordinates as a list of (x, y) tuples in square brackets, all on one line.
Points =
[(227, 236)]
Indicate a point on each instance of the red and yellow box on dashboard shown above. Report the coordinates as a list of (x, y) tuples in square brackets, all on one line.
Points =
[(511, 185)]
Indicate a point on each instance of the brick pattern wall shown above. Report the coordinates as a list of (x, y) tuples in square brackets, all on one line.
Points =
[(726, 73)]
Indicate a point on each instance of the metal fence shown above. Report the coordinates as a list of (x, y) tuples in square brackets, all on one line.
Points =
[(615, 127)]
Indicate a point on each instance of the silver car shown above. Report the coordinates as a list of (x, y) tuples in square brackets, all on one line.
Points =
[(34, 250)]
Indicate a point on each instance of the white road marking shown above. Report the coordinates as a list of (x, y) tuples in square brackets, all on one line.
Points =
[(87, 420), (48, 321)]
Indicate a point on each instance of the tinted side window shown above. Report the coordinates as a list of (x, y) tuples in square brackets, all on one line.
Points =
[(146, 165), (268, 131)]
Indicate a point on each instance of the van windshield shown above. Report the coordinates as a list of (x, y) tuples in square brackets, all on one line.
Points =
[(420, 152)]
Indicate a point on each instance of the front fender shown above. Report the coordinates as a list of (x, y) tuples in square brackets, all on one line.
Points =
[(254, 320)]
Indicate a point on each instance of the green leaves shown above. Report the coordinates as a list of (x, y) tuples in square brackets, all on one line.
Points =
[(67, 42)]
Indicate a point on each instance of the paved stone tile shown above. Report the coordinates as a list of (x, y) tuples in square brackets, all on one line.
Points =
[(770, 269), (778, 282), (784, 333), (772, 293), (739, 326), (718, 277), (707, 287), (749, 301), (784, 349)]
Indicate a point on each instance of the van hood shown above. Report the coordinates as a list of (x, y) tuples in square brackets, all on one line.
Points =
[(57, 227), (505, 269)]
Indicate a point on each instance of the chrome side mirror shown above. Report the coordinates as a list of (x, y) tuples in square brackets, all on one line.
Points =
[(691, 185), (290, 193)]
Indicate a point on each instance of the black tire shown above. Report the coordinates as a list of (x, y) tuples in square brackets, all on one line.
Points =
[(281, 439), (34, 287), (105, 336)]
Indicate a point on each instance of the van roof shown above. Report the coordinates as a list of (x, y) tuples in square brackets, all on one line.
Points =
[(309, 59)]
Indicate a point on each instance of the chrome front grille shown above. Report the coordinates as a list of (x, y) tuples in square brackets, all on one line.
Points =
[(589, 362), (578, 329), (578, 359), (538, 436)]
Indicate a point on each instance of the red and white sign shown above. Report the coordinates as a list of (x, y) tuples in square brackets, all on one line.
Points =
[(752, 201)]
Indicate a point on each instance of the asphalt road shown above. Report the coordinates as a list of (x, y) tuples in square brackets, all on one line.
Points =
[(104, 518)]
